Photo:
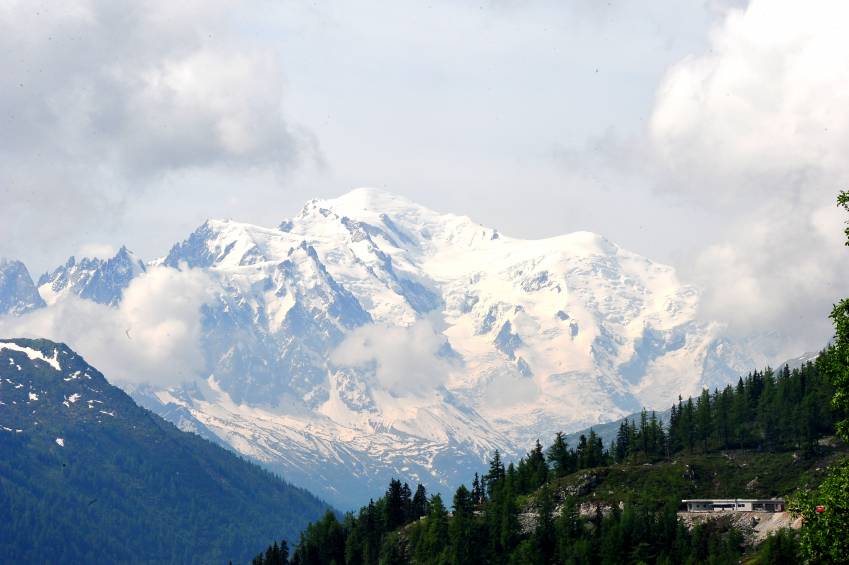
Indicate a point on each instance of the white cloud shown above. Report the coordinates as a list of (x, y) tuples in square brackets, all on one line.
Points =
[(101, 101), (405, 359), (757, 129), (765, 109), (152, 337), (145, 89), (99, 250)]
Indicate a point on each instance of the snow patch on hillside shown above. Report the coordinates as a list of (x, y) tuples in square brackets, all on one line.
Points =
[(34, 354)]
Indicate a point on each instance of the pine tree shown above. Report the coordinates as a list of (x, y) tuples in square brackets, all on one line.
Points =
[(560, 457), (689, 423), (537, 468), (582, 452), (371, 534), (393, 512), (420, 504), (703, 419), (435, 539), (407, 502), (621, 445), (508, 529), (461, 528), (477, 490), (495, 473), (643, 433), (544, 534)]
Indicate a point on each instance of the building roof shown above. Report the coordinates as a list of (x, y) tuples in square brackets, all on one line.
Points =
[(729, 500)]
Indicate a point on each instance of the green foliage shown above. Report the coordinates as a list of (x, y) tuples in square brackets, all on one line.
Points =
[(769, 411), (274, 555), (650, 465), (837, 357), (434, 543), (560, 457), (741, 473), (646, 530), (825, 535), (779, 548)]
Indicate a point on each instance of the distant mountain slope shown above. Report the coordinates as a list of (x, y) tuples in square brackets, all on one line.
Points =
[(18, 294), (457, 340), (87, 476)]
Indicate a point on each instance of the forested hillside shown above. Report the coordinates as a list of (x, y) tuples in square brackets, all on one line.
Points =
[(87, 476), (591, 503)]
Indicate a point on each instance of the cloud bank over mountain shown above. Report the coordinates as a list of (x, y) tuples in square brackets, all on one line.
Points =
[(152, 336), (405, 358), (708, 135), (369, 336), (757, 128)]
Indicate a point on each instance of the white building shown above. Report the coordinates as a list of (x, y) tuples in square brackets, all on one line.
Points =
[(734, 505)]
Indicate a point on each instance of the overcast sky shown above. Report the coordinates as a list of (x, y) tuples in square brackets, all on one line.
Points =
[(709, 134)]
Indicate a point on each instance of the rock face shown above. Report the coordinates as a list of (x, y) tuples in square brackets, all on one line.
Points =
[(369, 337), (18, 294), (755, 526)]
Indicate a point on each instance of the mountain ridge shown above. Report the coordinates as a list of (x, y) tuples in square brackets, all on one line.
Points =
[(523, 337)]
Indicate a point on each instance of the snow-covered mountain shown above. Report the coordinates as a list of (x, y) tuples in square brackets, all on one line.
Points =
[(18, 294), (102, 281), (370, 336)]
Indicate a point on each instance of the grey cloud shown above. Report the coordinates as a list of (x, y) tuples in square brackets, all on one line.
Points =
[(101, 100), (147, 89)]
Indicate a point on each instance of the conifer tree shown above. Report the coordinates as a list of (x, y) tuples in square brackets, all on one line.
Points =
[(435, 539), (559, 456), (544, 534), (477, 490), (622, 446), (495, 473), (703, 419), (461, 528), (407, 502), (582, 452), (420, 504), (537, 468), (393, 511)]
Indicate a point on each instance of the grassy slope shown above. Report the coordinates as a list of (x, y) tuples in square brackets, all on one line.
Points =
[(732, 474)]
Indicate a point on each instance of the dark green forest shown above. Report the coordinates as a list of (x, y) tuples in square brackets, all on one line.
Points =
[(126, 486), (766, 413)]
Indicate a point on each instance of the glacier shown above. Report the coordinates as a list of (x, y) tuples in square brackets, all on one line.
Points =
[(370, 337)]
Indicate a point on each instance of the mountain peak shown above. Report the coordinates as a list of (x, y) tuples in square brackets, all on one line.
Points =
[(18, 294), (101, 280), (372, 204)]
